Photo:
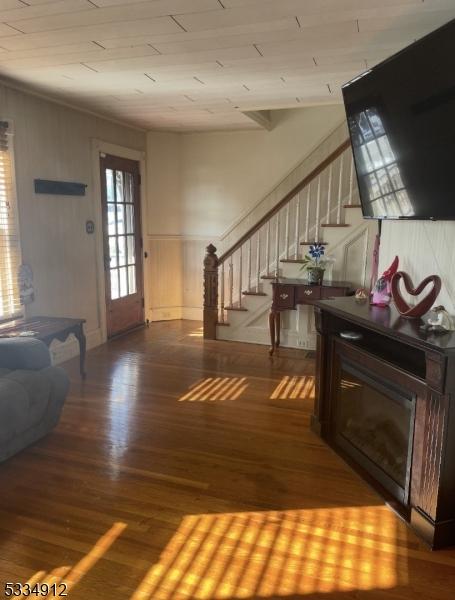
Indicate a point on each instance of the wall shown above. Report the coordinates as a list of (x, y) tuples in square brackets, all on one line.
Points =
[(424, 248), (55, 142), (211, 180)]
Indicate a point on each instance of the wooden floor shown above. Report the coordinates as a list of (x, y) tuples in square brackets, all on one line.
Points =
[(186, 470)]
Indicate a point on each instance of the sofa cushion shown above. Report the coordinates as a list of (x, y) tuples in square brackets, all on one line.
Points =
[(14, 409), (24, 353), (37, 388)]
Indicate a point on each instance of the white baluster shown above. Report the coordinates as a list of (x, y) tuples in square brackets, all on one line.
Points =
[(329, 193), (267, 250), (222, 294), (286, 240), (231, 281), (340, 190), (258, 261), (351, 178), (307, 224), (248, 283), (297, 226), (318, 210), (277, 244), (240, 277)]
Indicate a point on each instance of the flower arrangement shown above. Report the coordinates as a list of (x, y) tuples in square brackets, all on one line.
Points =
[(315, 262)]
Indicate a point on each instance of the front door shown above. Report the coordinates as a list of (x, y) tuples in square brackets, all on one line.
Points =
[(122, 244)]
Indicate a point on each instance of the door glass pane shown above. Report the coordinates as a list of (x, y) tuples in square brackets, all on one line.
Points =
[(123, 282), (131, 250), (119, 186), (121, 251), (113, 252), (111, 219), (129, 218), (110, 185), (120, 218), (114, 284), (128, 187), (132, 280)]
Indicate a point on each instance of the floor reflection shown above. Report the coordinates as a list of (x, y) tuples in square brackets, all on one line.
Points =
[(121, 406)]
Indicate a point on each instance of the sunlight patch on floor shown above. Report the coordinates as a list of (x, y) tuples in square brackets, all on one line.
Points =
[(276, 554), (212, 389), (294, 388), (69, 576)]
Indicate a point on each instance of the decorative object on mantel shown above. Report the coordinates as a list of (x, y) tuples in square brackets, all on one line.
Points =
[(314, 264), (381, 294), (26, 289), (440, 320), (361, 295), (418, 310), (59, 188)]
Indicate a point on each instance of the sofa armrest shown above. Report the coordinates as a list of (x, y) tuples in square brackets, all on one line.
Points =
[(24, 353)]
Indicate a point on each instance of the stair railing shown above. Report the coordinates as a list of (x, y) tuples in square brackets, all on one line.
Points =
[(318, 201)]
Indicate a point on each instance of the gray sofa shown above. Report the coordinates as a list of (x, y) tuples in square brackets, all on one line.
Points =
[(32, 393)]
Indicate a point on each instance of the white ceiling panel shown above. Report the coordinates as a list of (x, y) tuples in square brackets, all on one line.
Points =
[(188, 65), (43, 10), (130, 11)]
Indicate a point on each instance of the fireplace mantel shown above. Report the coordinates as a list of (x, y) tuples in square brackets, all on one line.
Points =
[(398, 353)]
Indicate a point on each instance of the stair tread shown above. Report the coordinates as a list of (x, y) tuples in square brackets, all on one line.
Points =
[(293, 260), (335, 225), (268, 277), (352, 206), (313, 243), (239, 308), (223, 324), (254, 293)]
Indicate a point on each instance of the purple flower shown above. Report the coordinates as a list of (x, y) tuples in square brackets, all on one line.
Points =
[(316, 251)]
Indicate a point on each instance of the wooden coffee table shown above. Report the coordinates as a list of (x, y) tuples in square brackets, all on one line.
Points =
[(48, 329)]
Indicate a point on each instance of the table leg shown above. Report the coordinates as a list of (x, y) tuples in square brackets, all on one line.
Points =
[(80, 336), (277, 328), (272, 316)]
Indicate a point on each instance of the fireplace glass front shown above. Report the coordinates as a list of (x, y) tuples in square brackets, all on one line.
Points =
[(374, 424)]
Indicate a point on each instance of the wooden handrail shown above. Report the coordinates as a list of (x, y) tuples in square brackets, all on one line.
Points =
[(300, 186)]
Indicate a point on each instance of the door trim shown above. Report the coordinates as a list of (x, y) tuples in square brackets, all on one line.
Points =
[(99, 146)]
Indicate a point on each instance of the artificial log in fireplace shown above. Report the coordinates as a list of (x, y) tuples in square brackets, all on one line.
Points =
[(385, 402)]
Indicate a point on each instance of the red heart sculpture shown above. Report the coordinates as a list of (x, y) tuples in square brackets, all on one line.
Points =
[(422, 307)]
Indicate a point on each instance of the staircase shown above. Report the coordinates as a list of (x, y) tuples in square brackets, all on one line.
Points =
[(323, 207)]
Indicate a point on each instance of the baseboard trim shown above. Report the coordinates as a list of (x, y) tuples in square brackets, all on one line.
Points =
[(192, 313), (166, 313)]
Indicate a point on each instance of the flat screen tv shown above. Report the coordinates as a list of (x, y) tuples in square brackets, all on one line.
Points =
[(401, 117)]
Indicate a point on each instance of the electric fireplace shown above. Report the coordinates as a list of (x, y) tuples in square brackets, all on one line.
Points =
[(374, 425), (385, 401)]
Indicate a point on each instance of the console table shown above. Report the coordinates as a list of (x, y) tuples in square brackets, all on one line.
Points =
[(48, 329), (376, 369), (288, 293)]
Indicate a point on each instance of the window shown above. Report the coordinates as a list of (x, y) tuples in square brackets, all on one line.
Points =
[(387, 193), (10, 256)]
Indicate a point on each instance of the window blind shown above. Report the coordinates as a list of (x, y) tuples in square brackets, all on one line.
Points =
[(10, 255)]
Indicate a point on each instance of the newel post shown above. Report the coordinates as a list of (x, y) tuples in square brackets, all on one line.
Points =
[(210, 293)]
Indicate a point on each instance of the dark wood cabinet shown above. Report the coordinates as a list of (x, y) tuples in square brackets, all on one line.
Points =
[(385, 402), (288, 293)]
